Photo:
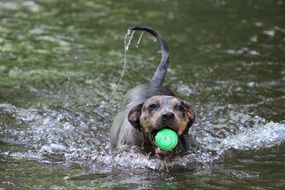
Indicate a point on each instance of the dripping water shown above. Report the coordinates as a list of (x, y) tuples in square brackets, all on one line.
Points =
[(128, 38), (127, 41), (139, 39)]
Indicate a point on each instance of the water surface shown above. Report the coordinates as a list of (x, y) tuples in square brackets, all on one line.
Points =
[(61, 60)]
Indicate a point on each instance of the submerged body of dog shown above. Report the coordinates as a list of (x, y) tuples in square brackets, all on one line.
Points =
[(151, 107)]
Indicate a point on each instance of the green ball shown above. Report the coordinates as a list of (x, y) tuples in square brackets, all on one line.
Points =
[(166, 139)]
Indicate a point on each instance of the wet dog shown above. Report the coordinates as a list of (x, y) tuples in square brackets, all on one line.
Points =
[(151, 107)]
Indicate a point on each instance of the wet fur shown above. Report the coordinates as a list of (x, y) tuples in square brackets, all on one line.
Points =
[(134, 123)]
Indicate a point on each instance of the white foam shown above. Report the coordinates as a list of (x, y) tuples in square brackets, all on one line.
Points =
[(263, 136), (62, 136)]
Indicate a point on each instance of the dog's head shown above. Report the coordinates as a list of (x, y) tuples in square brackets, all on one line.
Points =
[(160, 112)]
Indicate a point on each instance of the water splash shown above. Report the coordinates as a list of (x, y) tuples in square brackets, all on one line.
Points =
[(262, 136), (71, 137), (128, 38)]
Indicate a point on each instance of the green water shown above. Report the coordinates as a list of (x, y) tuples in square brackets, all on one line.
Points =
[(65, 58)]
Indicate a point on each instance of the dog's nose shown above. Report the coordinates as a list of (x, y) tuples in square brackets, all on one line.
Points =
[(167, 116)]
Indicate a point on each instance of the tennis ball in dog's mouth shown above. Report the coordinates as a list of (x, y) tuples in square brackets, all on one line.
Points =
[(166, 139)]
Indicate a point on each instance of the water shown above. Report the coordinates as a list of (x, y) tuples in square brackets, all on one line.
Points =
[(60, 62), (127, 42)]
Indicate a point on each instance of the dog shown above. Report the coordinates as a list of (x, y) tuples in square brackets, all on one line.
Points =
[(150, 107)]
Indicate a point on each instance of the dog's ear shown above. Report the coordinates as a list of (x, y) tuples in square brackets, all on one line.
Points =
[(134, 116), (190, 114)]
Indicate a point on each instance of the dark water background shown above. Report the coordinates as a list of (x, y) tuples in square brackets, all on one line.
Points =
[(61, 60)]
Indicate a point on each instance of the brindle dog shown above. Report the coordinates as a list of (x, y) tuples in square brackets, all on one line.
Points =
[(151, 107)]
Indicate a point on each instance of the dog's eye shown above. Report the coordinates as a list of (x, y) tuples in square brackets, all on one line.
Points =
[(179, 108), (152, 106)]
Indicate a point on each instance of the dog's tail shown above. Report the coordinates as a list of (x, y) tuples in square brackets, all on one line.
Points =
[(161, 70)]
